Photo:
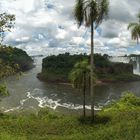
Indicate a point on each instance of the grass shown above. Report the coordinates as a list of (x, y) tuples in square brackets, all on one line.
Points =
[(3, 90), (118, 121)]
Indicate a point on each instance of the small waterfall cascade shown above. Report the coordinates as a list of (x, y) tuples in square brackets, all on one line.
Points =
[(133, 60), (136, 65)]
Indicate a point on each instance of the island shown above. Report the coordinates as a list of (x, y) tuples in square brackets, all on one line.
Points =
[(56, 68)]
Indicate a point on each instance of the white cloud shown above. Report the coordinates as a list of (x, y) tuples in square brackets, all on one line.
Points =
[(97, 43), (48, 26), (136, 52), (77, 40)]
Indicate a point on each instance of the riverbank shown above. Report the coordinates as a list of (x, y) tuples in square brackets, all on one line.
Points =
[(103, 79), (13, 61), (113, 78), (121, 120)]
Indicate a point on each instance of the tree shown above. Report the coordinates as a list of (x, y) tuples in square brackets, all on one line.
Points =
[(135, 29), (91, 13), (79, 77), (6, 23)]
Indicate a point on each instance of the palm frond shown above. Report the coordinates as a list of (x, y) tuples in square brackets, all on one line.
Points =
[(132, 25), (77, 74), (136, 33), (103, 9), (78, 12), (91, 11)]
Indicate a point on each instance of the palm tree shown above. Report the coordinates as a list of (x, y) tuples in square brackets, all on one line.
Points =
[(79, 77), (91, 13), (135, 29)]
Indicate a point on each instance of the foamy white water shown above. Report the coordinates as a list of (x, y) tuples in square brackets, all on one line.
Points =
[(46, 102)]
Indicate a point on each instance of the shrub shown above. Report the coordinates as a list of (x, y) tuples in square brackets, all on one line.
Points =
[(3, 91)]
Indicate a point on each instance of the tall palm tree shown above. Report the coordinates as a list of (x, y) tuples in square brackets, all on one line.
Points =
[(135, 29), (91, 13), (79, 77)]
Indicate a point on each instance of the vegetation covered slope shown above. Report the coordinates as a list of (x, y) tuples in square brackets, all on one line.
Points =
[(57, 68), (120, 121), (13, 60)]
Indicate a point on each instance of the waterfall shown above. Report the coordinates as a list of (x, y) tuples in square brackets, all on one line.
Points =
[(133, 60), (119, 59)]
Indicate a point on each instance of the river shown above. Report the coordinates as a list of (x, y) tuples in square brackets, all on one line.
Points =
[(28, 93)]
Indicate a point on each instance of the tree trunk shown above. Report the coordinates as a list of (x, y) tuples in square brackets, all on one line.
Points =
[(84, 95), (137, 40), (92, 71)]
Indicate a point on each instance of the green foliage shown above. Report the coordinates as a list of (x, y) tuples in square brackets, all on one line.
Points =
[(6, 136), (129, 99), (3, 91), (13, 60), (135, 29), (16, 56), (58, 68), (119, 121), (128, 102), (102, 61), (6, 69), (78, 12), (91, 11), (80, 70), (6, 23), (120, 77)]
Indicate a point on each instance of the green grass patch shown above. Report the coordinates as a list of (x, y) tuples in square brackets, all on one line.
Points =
[(3, 90), (118, 121)]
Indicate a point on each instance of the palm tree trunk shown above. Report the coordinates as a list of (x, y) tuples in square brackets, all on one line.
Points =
[(92, 71), (84, 95), (137, 40)]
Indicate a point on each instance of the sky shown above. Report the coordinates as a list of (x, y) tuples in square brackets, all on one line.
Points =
[(48, 27)]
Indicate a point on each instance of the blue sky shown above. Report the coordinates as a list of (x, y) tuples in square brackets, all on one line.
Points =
[(48, 27)]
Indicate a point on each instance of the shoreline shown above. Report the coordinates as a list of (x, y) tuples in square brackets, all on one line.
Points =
[(99, 82)]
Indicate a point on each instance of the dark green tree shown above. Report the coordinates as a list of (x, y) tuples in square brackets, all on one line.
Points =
[(79, 77), (91, 13)]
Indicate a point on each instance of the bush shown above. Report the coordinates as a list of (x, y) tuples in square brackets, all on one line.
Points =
[(128, 101), (3, 91)]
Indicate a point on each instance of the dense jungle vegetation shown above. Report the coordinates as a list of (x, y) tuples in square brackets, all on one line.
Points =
[(13, 60), (57, 68)]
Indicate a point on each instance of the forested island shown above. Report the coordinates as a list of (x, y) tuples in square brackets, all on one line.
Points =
[(57, 68)]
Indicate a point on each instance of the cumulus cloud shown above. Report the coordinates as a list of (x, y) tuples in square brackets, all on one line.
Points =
[(48, 27)]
